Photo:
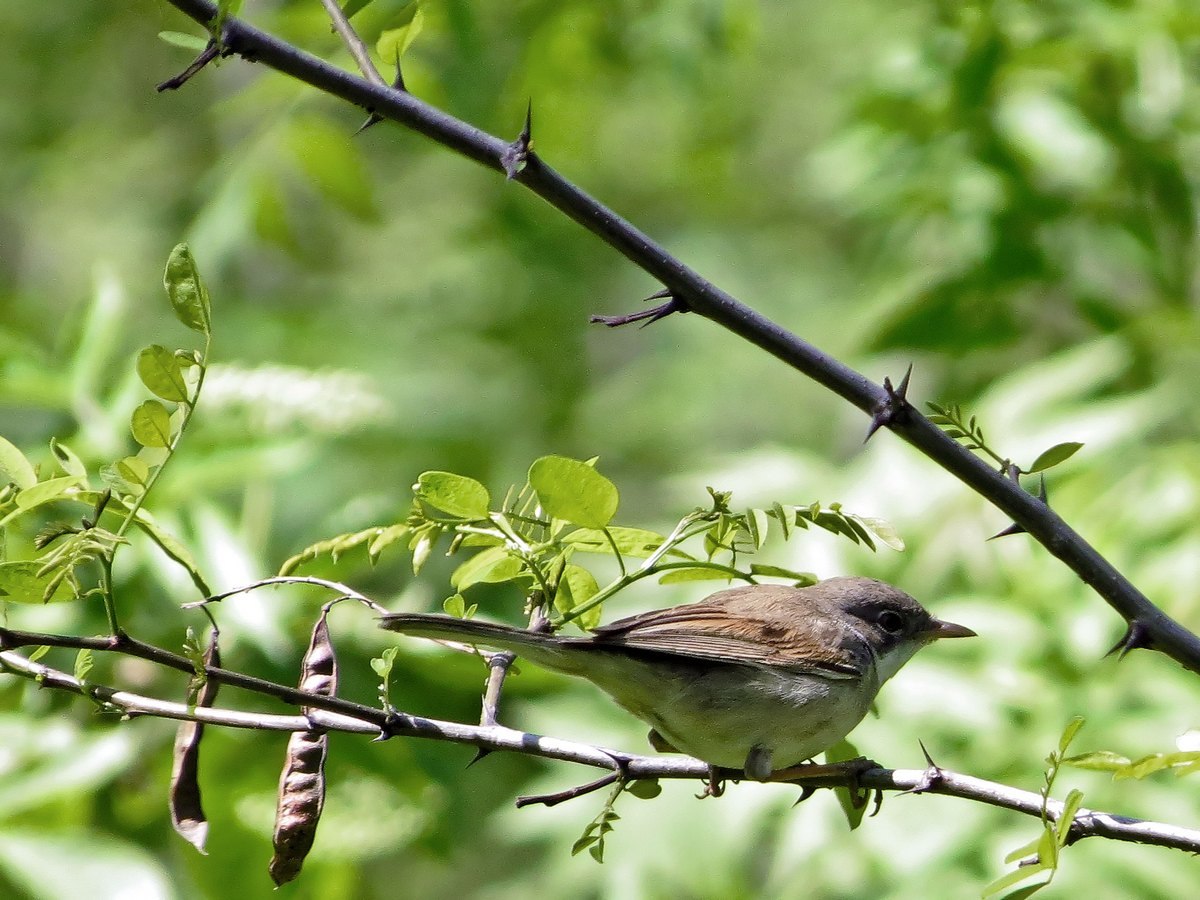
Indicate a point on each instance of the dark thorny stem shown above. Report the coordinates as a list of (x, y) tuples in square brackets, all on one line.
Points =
[(702, 297)]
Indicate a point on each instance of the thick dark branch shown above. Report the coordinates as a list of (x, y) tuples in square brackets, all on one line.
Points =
[(706, 299), (1087, 823)]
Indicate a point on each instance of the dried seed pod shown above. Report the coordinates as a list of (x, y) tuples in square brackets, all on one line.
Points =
[(187, 813), (302, 782)]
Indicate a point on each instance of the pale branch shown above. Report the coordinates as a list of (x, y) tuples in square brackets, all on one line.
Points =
[(631, 767), (353, 42), (1153, 627)]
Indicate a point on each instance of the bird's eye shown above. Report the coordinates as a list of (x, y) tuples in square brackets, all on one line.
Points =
[(891, 621)]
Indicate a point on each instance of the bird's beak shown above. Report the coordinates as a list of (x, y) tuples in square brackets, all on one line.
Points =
[(939, 629)]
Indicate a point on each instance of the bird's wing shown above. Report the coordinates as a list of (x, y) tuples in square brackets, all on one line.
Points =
[(708, 631)]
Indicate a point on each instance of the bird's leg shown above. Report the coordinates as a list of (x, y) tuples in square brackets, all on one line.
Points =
[(715, 786), (847, 773)]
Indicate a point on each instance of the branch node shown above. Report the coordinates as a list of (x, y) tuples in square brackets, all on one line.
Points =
[(646, 316), (397, 85), (932, 777), (894, 407), (516, 155), (1136, 637)]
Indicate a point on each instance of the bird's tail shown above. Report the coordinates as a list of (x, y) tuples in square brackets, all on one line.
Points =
[(543, 649)]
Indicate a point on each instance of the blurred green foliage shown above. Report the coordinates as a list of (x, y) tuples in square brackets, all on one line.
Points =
[(1002, 192)]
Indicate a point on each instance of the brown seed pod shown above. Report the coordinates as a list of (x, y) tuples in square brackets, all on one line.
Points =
[(187, 812), (302, 782)]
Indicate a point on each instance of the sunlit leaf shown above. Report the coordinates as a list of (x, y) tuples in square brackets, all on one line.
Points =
[(47, 491), (161, 373), (151, 424), (572, 490), (20, 582), (456, 495), (189, 296), (493, 565), (635, 542), (1055, 455), (15, 467)]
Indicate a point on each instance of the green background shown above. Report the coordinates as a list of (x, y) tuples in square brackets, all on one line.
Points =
[(1002, 194)]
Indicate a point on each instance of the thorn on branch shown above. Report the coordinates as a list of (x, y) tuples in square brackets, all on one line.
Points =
[(646, 316), (207, 55), (894, 408), (516, 155), (397, 85), (931, 778), (1136, 637), (1015, 528)]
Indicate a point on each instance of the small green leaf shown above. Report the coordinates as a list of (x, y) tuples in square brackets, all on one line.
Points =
[(83, 664), (161, 373), (883, 530), (1055, 455), (395, 41), (802, 579), (189, 296), (785, 517), (1004, 882), (1069, 733), (47, 491), (151, 424), (644, 788), (191, 42), (489, 566), (634, 542), (576, 586), (758, 523), (455, 605), (1098, 760), (571, 490), (68, 461), (1070, 808), (20, 582), (15, 466), (1024, 851), (694, 573), (422, 545), (456, 495), (133, 470)]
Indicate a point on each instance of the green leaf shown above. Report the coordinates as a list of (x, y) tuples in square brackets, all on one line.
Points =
[(161, 373), (489, 566), (353, 6), (634, 542), (385, 538), (840, 752), (395, 42), (47, 491), (571, 490), (15, 466), (133, 470), (68, 461), (758, 524), (1004, 882), (1070, 808), (21, 583), (83, 664), (1055, 455), (455, 605), (576, 586), (644, 788), (191, 42), (802, 579), (456, 495), (188, 295), (1069, 733), (1098, 760), (694, 573), (151, 424), (883, 530), (1025, 850), (172, 549)]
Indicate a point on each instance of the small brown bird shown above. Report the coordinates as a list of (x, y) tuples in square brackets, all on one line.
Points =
[(760, 677)]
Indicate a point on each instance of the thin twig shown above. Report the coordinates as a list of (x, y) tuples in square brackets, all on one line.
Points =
[(353, 43)]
